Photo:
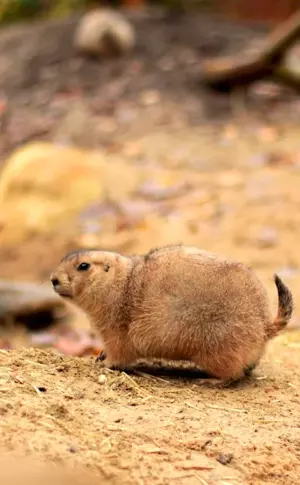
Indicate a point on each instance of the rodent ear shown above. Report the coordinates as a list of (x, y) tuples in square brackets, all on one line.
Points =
[(106, 267)]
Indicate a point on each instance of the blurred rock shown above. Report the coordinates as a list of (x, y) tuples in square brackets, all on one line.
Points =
[(268, 237), (34, 305), (104, 32), (43, 186)]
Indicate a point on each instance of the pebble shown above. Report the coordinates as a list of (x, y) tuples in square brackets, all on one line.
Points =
[(102, 379), (224, 459)]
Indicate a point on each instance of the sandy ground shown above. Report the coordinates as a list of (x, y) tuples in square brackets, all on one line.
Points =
[(241, 198), (154, 428)]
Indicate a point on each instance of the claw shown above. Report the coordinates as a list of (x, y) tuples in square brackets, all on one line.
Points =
[(101, 357)]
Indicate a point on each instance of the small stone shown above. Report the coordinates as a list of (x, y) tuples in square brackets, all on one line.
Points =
[(102, 379), (42, 389), (104, 32), (224, 459)]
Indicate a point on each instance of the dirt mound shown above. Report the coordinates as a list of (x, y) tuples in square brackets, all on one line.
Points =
[(153, 428)]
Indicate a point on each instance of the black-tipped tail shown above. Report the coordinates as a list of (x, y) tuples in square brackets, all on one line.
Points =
[(285, 308)]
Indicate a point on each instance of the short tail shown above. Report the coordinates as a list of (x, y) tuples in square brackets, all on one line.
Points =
[(285, 308)]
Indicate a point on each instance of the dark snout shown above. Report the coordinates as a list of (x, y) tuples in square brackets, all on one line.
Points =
[(55, 282), (61, 285)]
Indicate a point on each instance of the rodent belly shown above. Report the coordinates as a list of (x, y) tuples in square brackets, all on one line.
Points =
[(163, 339)]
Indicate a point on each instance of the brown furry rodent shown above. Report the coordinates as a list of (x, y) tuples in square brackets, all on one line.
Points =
[(176, 303)]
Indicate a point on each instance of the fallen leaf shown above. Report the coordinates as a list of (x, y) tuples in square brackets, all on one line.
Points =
[(280, 159), (78, 343)]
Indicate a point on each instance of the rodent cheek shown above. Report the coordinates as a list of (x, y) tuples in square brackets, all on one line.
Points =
[(64, 280), (78, 286)]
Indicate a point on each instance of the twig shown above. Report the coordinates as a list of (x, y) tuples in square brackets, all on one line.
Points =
[(214, 406), (36, 389), (247, 67), (34, 363), (48, 425), (135, 384), (194, 407), (59, 423), (233, 410), (204, 482), (115, 427)]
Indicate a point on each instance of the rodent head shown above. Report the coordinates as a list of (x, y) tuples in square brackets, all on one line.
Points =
[(84, 275)]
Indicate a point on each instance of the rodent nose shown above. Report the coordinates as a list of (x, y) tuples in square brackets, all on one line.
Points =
[(55, 282)]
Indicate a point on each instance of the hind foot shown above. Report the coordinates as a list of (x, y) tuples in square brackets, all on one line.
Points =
[(248, 370), (220, 384), (223, 376)]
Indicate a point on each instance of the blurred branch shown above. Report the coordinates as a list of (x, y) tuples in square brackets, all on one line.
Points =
[(227, 72), (12, 10)]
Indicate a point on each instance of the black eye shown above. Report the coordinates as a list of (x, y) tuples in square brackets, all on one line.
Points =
[(106, 267), (83, 267)]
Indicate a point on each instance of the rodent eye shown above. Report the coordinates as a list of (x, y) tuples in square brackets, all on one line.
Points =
[(83, 267), (106, 267)]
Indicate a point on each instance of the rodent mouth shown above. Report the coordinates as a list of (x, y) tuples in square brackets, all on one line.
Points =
[(63, 293)]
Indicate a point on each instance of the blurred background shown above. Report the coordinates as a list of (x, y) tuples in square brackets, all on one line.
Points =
[(126, 125), (131, 124)]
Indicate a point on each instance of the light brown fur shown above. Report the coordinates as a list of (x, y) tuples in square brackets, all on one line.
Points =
[(176, 303)]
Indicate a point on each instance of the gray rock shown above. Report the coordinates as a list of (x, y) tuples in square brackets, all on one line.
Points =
[(32, 304)]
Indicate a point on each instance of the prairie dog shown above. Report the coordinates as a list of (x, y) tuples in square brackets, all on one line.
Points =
[(175, 303)]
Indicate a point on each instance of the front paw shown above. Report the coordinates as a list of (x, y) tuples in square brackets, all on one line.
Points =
[(108, 364), (101, 357)]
